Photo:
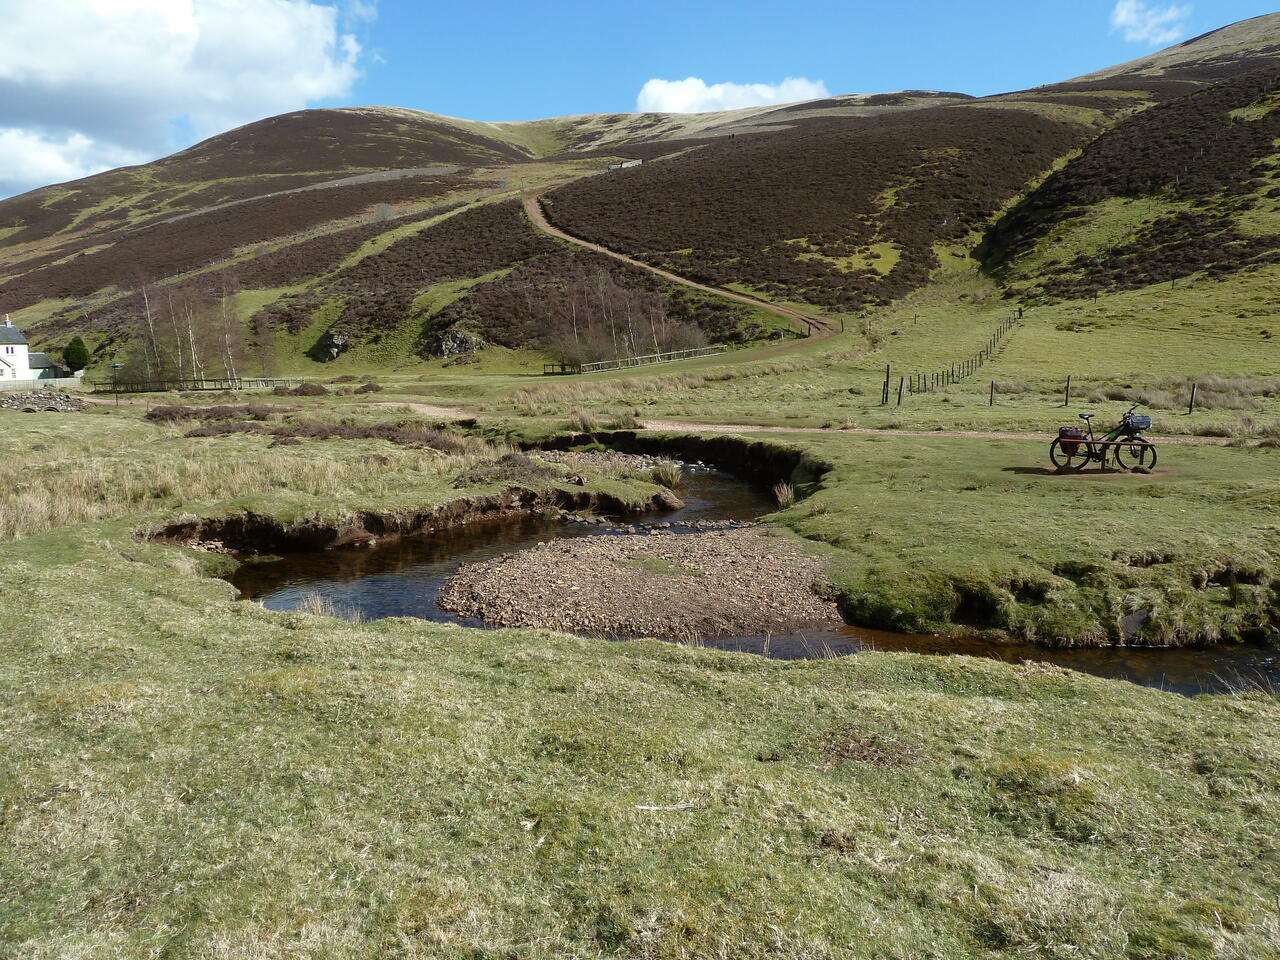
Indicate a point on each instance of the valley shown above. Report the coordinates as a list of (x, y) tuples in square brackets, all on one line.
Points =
[(801, 649)]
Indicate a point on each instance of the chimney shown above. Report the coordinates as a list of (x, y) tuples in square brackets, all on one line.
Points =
[(7, 321)]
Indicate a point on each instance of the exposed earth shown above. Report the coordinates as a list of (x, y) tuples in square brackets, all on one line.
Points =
[(677, 586)]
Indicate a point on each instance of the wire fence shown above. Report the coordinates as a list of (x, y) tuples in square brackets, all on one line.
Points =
[(931, 381), (623, 363)]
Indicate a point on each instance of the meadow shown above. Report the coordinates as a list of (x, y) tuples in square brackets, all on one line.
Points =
[(188, 775)]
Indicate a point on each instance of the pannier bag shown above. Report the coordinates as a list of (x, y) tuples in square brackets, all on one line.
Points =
[(1069, 439), (1137, 422)]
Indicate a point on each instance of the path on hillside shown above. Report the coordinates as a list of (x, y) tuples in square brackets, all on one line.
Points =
[(375, 176), (691, 426), (538, 216)]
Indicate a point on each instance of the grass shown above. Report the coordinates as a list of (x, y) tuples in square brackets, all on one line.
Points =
[(193, 776), (933, 532), (186, 775)]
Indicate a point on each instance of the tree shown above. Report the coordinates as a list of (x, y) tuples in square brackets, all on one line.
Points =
[(75, 354)]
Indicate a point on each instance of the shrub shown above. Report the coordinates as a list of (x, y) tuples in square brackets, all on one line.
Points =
[(405, 436), (75, 354), (509, 468), (369, 388), (309, 390)]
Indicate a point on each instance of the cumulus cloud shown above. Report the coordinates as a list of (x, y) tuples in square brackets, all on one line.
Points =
[(86, 85), (693, 95), (1152, 25)]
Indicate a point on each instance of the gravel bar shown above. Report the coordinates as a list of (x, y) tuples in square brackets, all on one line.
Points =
[(724, 583)]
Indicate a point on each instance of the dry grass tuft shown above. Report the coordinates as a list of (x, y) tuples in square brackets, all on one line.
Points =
[(785, 494)]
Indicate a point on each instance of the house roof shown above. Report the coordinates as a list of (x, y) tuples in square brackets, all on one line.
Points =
[(40, 361), (10, 336)]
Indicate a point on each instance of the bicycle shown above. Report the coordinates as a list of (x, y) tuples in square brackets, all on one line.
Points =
[(1072, 450)]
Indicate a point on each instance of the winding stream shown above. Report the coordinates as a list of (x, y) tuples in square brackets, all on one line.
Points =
[(404, 577)]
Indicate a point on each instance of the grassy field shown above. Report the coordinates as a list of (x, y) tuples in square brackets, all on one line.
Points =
[(186, 775)]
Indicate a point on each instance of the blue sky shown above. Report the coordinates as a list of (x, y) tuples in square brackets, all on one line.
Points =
[(517, 61), (87, 85)]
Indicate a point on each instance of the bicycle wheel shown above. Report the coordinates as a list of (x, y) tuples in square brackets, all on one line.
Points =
[(1135, 453), (1073, 458)]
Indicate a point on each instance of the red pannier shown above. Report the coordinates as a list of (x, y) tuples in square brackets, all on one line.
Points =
[(1069, 439)]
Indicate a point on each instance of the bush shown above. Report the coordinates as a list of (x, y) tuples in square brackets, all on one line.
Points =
[(405, 436), (75, 354), (308, 390), (369, 388), (509, 468)]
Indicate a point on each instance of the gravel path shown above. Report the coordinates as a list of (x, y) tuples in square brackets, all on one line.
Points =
[(725, 583)]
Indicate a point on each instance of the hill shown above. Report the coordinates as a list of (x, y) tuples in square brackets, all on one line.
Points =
[(1188, 186), (357, 231)]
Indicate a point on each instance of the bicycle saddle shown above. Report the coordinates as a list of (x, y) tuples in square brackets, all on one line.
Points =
[(1086, 416)]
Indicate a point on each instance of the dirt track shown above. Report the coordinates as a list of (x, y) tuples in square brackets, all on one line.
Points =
[(689, 426), (821, 326)]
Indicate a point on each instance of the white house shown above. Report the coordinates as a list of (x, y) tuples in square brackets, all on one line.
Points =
[(17, 362)]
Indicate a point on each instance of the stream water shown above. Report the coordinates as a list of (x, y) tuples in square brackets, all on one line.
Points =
[(404, 577)]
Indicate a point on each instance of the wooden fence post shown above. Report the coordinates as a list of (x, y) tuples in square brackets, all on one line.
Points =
[(993, 394), (1067, 401), (1192, 405), (901, 380)]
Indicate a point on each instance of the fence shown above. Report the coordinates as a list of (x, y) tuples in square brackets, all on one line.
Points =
[(48, 382), (934, 380), (627, 362), (163, 386)]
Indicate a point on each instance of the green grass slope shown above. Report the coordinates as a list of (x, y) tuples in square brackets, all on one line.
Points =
[(192, 776)]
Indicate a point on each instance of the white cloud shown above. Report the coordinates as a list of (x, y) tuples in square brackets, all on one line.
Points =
[(693, 95), (30, 157), (88, 84), (1152, 25)]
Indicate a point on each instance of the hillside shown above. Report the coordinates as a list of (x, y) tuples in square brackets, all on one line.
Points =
[(1188, 186), (358, 231)]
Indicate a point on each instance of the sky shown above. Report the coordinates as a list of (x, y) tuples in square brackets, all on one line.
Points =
[(88, 85)]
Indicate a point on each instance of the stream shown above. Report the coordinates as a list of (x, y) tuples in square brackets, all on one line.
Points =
[(403, 578)]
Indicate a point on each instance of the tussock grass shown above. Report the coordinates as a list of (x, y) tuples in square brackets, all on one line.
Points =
[(321, 606), (93, 468), (784, 494), (668, 474)]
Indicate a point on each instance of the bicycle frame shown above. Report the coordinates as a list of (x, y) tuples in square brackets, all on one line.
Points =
[(1101, 448)]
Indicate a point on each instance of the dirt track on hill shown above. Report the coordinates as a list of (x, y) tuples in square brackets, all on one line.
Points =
[(821, 326)]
